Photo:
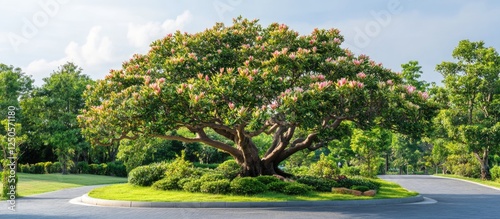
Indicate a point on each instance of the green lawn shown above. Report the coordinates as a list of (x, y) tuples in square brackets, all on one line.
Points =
[(30, 184), (488, 183), (137, 193)]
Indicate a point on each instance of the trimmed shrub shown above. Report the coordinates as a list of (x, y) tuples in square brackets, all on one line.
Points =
[(210, 177), (94, 168), (247, 186), (39, 168), (317, 183), (56, 167), (296, 188), (216, 187), (206, 165), (192, 186), (266, 180), (116, 168), (25, 168), (277, 186), (358, 181), (229, 168), (167, 183), (47, 167), (183, 181), (147, 175), (82, 167), (495, 173)]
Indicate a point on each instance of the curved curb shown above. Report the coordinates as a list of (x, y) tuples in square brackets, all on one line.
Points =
[(136, 204), (463, 180)]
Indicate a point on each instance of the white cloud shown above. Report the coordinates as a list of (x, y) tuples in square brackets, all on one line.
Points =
[(141, 35), (96, 50)]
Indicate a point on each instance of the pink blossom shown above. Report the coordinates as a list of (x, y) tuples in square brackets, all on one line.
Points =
[(172, 51), (221, 70), (323, 85), (263, 107), (180, 90), (207, 78), (88, 86), (262, 48), (389, 82), (295, 98), (361, 75), (360, 85), (292, 56), (299, 89), (314, 49), (356, 62), (231, 105), (336, 40), (312, 41), (250, 58), (287, 91), (250, 78), (423, 95), (276, 53), (219, 51), (255, 71), (161, 80), (274, 105), (230, 70), (353, 84), (147, 79), (372, 63), (259, 38), (342, 82), (410, 89), (284, 50), (200, 76), (329, 59)]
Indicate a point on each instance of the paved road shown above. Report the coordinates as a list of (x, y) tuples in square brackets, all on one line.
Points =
[(455, 199)]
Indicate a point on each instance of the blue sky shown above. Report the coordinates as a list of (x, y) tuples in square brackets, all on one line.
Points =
[(40, 35)]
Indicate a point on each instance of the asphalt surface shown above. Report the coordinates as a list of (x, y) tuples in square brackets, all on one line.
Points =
[(446, 198)]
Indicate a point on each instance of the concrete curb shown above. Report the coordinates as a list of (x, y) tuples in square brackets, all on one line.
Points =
[(463, 180), (136, 204)]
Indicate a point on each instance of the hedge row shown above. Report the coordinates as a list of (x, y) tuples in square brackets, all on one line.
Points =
[(111, 168)]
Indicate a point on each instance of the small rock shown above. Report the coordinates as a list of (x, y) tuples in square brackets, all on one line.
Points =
[(370, 193)]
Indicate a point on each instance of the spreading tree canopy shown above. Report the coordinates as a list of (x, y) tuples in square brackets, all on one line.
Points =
[(245, 80)]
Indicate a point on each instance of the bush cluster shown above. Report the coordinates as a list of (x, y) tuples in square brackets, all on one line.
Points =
[(357, 181), (317, 183), (115, 168), (147, 175), (495, 173)]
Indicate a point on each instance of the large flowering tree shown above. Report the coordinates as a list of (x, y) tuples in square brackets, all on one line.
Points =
[(245, 80)]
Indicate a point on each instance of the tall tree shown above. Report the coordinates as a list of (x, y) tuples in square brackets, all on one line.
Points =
[(53, 110), (473, 85), (244, 80)]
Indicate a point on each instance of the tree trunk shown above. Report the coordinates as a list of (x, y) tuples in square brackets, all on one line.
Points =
[(485, 171), (485, 168)]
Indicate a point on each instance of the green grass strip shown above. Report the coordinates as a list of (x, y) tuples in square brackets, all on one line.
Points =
[(148, 194)]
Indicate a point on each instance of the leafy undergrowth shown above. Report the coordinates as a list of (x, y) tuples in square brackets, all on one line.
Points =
[(138, 193), (31, 184)]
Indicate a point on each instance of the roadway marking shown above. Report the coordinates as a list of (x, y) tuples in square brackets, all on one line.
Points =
[(426, 201)]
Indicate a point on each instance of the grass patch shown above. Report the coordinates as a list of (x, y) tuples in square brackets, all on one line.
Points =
[(495, 184), (137, 193), (30, 184)]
